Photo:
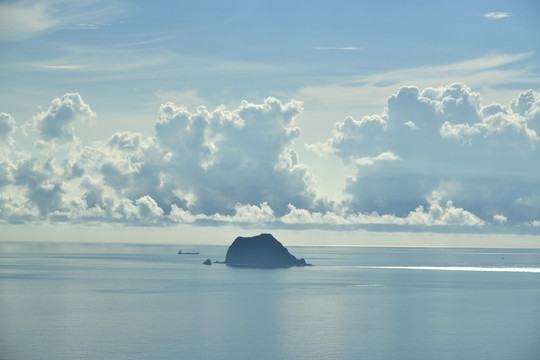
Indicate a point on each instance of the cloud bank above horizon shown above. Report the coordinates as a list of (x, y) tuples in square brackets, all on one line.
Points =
[(353, 116), (435, 159)]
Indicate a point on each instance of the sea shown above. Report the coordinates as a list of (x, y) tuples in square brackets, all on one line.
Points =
[(141, 301)]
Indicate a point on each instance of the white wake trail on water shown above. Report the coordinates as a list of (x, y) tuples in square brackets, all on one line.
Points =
[(459, 268)]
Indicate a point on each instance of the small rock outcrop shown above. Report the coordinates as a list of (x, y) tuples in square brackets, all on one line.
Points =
[(207, 262), (260, 251)]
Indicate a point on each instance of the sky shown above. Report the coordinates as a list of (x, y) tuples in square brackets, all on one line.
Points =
[(335, 117)]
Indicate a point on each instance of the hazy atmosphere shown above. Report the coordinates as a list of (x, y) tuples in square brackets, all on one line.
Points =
[(247, 179), (401, 117)]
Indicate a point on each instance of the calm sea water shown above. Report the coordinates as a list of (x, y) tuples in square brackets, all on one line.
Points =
[(96, 301)]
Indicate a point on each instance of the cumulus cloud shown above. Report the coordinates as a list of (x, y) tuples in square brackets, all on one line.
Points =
[(534, 223), (501, 219), (446, 140), (42, 183), (6, 169), (225, 157), (433, 158), (303, 216), (249, 214), (354, 135), (216, 165), (460, 132), (147, 210), (443, 215), (56, 123), (7, 127), (435, 215)]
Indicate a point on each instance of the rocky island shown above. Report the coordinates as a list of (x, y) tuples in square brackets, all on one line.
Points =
[(262, 251)]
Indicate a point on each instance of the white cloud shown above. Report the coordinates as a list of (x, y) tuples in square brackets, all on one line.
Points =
[(211, 165), (55, 124), (455, 140), (534, 223), (6, 169), (496, 15), (297, 216), (181, 216), (147, 210), (525, 103), (352, 137), (462, 132), (371, 160), (7, 127), (448, 215), (411, 125), (501, 219), (462, 164), (127, 141), (251, 214), (496, 121), (368, 92), (42, 184), (242, 156), (436, 215), (19, 20)]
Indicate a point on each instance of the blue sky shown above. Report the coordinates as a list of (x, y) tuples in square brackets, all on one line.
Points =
[(392, 116)]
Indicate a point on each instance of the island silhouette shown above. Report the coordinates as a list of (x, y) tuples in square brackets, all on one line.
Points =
[(261, 251)]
